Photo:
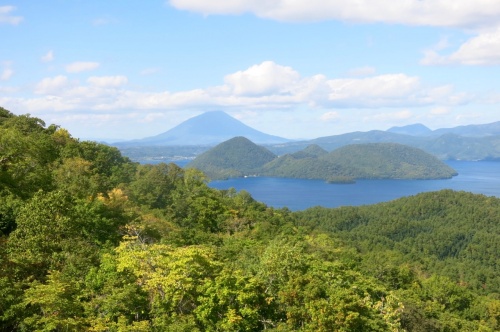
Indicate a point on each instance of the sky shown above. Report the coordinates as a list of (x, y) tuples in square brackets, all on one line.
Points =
[(120, 70)]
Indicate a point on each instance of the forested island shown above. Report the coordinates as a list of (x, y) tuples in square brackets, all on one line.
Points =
[(240, 157), (90, 241)]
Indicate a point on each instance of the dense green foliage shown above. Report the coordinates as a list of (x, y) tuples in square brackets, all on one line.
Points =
[(450, 228), (235, 157), (388, 160), (240, 157), (92, 242)]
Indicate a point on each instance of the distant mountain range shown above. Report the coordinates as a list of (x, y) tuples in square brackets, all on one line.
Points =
[(481, 130), (207, 129), (240, 157), (198, 134), (447, 146)]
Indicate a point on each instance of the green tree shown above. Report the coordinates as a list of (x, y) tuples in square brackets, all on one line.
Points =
[(24, 160), (170, 276), (57, 232), (153, 184), (232, 301), (56, 305)]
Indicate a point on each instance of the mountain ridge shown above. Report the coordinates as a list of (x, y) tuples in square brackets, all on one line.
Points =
[(197, 135), (471, 130)]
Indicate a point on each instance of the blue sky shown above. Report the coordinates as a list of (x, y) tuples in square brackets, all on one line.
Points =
[(298, 69)]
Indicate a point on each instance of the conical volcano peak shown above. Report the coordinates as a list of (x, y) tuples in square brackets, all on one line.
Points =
[(209, 128)]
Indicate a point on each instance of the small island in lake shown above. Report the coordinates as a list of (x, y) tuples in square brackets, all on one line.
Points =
[(240, 157)]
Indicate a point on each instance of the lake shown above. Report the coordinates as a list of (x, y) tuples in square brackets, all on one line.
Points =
[(480, 177)]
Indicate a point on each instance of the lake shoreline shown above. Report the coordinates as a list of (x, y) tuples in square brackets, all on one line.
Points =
[(480, 177)]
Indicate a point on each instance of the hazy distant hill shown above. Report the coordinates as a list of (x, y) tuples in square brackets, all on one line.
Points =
[(209, 128), (241, 157), (417, 129), (330, 143), (446, 146), (480, 130)]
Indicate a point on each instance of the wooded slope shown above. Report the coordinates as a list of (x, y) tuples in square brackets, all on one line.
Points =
[(92, 242)]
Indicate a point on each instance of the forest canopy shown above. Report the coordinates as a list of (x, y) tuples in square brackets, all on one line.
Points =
[(90, 241), (241, 157)]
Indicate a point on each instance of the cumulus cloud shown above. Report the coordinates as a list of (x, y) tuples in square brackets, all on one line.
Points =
[(263, 79), (449, 13), (77, 67), (482, 49), (6, 16), (48, 57), (376, 91), (108, 81), (265, 86)]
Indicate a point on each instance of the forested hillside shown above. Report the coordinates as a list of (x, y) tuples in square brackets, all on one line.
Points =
[(93, 242), (240, 157), (235, 157)]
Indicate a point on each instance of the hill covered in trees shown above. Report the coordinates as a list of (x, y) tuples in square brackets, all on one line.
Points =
[(90, 241), (241, 157), (233, 158)]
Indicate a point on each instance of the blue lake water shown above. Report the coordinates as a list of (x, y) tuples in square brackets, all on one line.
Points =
[(480, 177)]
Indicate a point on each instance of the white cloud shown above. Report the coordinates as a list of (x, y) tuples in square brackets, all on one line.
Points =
[(108, 81), (265, 86), (77, 67), (52, 85), (48, 57), (480, 16), (450, 13), (36, 105), (377, 91), (482, 49), (263, 79), (7, 18)]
